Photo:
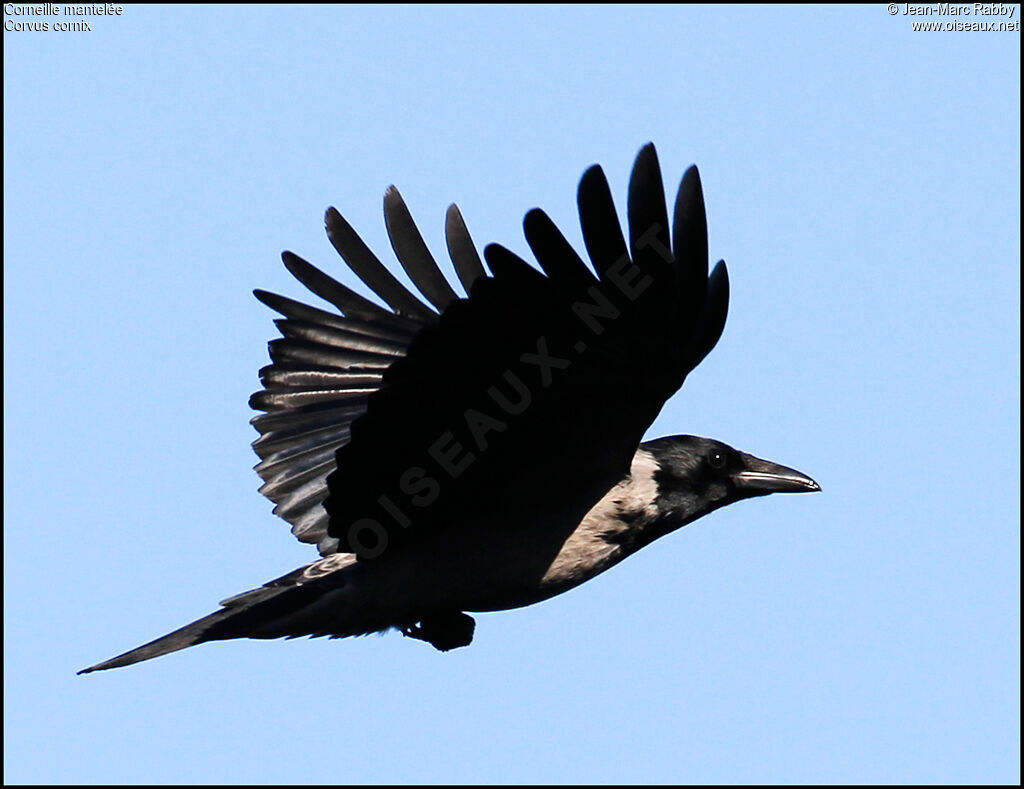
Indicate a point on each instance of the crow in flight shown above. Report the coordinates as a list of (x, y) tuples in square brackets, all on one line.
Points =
[(485, 453)]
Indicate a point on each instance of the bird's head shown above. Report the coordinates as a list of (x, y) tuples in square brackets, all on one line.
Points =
[(697, 475)]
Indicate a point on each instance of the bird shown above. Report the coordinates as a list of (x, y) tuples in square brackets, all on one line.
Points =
[(481, 453)]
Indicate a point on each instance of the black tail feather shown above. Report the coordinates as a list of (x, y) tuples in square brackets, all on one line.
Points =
[(251, 614), (190, 635)]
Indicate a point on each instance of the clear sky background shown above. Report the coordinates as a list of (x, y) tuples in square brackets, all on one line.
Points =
[(862, 181)]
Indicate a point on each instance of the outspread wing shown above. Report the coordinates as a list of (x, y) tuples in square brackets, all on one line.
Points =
[(540, 385), (326, 364)]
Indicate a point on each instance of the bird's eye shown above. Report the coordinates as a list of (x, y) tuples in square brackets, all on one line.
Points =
[(717, 459)]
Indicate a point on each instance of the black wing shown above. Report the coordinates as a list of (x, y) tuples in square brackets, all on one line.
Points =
[(327, 364), (540, 386)]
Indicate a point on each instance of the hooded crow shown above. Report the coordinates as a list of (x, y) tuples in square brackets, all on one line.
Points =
[(484, 453)]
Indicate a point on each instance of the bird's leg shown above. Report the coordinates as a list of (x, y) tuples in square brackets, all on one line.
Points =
[(443, 631)]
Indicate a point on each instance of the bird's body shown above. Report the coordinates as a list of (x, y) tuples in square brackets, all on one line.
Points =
[(500, 566), (487, 457)]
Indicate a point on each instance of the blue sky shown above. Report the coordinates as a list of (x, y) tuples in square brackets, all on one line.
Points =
[(862, 181)]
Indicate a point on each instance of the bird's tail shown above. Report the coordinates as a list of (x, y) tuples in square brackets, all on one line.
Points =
[(190, 635), (268, 612)]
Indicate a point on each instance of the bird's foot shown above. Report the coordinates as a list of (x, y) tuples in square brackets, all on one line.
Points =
[(443, 631)]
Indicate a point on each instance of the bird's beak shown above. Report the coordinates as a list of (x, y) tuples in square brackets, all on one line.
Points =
[(761, 477)]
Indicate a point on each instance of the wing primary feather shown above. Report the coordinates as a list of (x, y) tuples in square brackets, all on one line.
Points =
[(337, 338), (602, 234), (281, 463), (296, 475), (303, 420), (507, 264), (554, 254), (712, 322), (277, 378), (690, 245), (648, 220), (296, 309), (278, 401), (311, 374), (371, 271), (311, 526), (295, 501), (278, 443), (327, 545), (461, 249), (346, 396), (288, 350), (412, 252), (348, 301)]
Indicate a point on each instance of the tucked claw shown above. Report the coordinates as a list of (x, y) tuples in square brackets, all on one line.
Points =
[(444, 631)]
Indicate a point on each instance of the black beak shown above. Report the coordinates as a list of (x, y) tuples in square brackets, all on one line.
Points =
[(761, 477)]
